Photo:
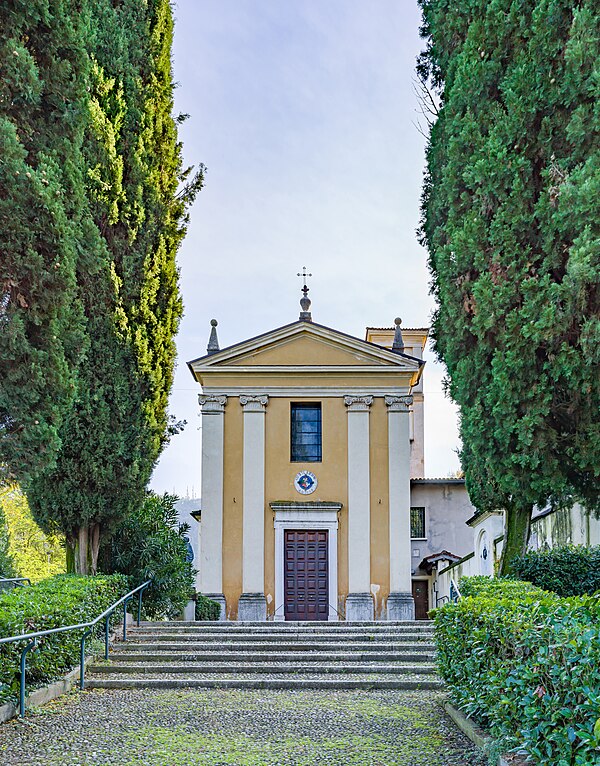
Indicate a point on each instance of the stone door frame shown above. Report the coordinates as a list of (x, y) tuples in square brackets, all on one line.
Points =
[(309, 516)]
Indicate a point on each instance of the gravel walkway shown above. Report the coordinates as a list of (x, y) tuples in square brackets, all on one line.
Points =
[(220, 727)]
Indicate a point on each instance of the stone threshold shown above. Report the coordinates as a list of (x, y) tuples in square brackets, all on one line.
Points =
[(479, 736)]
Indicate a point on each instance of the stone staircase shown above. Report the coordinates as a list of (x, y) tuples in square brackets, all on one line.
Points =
[(280, 655)]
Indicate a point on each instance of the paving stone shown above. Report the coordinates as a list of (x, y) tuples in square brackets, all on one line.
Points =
[(240, 728)]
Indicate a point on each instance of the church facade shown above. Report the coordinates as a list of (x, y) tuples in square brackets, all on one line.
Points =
[(310, 439)]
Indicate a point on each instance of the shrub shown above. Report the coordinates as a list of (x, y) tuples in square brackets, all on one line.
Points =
[(526, 664), (151, 544), (60, 601), (35, 554), (207, 609), (570, 570)]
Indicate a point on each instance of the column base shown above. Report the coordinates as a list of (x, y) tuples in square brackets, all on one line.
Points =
[(359, 607), (220, 599), (252, 607), (400, 606), (189, 612)]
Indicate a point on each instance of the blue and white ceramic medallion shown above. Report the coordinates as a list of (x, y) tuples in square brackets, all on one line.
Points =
[(305, 482)]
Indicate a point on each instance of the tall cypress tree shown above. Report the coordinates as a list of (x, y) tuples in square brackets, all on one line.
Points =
[(511, 219), (43, 76), (118, 424)]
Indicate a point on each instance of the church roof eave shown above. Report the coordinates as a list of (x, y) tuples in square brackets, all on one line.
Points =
[(217, 359)]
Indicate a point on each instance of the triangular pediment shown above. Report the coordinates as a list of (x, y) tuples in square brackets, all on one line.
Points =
[(308, 345)]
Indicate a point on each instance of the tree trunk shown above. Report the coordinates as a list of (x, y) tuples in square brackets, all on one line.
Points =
[(517, 523), (94, 546), (70, 547), (81, 560)]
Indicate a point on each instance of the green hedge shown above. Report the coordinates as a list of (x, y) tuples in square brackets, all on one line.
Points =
[(52, 603), (206, 609), (570, 570), (525, 663)]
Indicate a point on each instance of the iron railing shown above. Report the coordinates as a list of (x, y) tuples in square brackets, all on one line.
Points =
[(87, 627), (454, 591), (15, 582)]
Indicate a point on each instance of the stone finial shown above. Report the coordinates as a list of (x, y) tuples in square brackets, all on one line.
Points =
[(305, 315), (213, 341), (398, 344)]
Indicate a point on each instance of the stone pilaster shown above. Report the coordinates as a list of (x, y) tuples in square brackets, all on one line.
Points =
[(252, 603), (211, 551), (359, 603), (400, 603)]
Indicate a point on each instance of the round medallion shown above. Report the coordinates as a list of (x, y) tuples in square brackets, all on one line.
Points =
[(305, 482)]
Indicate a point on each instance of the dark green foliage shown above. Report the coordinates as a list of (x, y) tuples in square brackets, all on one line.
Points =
[(496, 587), (570, 570), (128, 287), (207, 609), (526, 664), (151, 544), (43, 78), (511, 219), (7, 566), (59, 601)]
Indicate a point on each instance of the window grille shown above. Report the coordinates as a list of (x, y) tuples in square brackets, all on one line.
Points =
[(417, 523)]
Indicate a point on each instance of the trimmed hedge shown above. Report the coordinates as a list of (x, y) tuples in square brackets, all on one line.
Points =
[(525, 663), (569, 570), (58, 601), (206, 609)]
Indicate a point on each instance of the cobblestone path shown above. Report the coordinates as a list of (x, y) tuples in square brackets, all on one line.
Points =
[(244, 728)]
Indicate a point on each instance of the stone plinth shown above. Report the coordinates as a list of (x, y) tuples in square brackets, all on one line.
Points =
[(252, 607), (359, 607), (400, 606)]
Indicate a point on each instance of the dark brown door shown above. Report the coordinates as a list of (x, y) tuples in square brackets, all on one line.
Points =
[(420, 591), (306, 574)]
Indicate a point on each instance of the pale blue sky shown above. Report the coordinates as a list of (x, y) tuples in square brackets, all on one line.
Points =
[(304, 113)]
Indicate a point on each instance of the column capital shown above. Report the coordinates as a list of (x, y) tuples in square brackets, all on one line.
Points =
[(252, 403), (398, 403), (212, 404), (358, 403)]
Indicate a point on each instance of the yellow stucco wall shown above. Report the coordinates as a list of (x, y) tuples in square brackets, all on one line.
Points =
[(233, 505), (332, 474), (379, 487), (306, 350)]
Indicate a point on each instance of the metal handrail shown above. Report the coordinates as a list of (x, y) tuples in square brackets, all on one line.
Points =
[(18, 581), (32, 638), (455, 594)]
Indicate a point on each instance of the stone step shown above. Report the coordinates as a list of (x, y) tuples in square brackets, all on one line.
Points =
[(266, 646), (261, 682), (150, 655), (253, 668), (289, 625), (284, 637)]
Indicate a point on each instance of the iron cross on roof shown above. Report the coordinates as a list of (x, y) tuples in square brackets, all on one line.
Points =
[(305, 315), (304, 274)]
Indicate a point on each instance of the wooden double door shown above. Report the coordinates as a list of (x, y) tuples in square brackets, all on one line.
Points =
[(306, 574)]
